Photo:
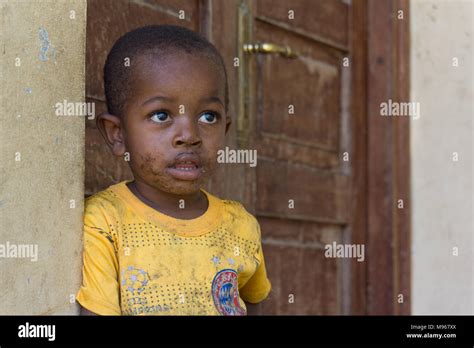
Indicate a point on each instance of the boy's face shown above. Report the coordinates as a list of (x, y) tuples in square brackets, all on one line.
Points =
[(175, 122)]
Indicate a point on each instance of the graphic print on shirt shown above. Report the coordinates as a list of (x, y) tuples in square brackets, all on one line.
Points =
[(134, 280), (225, 293)]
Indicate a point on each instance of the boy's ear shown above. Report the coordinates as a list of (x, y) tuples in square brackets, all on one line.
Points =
[(111, 128), (228, 123)]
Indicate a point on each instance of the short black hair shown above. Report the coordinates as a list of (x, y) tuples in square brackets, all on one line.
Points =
[(156, 39)]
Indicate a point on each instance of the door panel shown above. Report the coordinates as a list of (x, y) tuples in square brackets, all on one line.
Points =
[(303, 280), (326, 20), (318, 195), (300, 154), (311, 83)]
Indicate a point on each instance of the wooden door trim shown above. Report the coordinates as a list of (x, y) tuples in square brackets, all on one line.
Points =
[(388, 160), (355, 300)]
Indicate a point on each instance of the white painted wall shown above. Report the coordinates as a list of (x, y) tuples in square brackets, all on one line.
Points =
[(442, 189)]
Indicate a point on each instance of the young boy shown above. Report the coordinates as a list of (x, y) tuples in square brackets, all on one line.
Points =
[(160, 244)]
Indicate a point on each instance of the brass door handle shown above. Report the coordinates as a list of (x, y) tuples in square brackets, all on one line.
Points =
[(267, 48)]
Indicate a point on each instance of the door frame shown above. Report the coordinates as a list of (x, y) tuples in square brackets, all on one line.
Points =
[(382, 159)]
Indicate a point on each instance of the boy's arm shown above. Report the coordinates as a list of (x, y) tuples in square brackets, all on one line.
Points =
[(258, 287), (256, 308), (99, 291)]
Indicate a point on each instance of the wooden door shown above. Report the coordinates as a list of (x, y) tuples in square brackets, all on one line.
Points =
[(301, 123)]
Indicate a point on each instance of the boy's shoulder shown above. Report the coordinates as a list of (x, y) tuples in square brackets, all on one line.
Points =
[(106, 200), (239, 215), (235, 207)]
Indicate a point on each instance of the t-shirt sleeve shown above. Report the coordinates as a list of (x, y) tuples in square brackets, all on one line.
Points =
[(99, 292), (258, 286)]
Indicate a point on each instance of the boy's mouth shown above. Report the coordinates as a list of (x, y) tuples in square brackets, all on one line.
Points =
[(186, 166)]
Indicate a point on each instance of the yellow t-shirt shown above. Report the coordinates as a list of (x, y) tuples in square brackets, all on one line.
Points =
[(138, 261)]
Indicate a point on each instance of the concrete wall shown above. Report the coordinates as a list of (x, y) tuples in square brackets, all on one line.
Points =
[(41, 155), (442, 197)]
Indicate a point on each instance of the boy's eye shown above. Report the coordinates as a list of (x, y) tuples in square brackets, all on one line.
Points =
[(159, 116), (208, 117)]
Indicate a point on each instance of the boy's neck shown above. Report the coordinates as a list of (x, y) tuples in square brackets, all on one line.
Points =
[(177, 206)]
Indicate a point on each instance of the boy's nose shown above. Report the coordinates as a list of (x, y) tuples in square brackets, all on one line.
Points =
[(187, 135)]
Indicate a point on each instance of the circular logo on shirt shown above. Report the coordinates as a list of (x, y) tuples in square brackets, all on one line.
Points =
[(225, 293), (134, 279)]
